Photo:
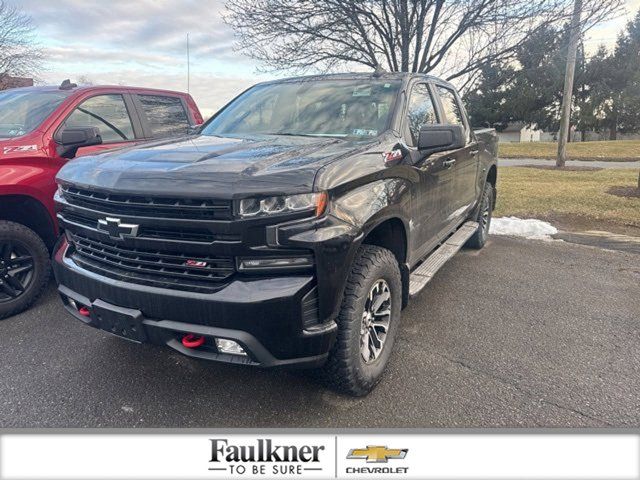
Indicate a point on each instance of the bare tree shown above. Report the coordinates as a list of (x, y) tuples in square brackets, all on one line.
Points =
[(452, 38), (19, 52), (85, 80)]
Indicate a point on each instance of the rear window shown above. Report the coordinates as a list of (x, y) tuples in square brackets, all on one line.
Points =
[(165, 115)]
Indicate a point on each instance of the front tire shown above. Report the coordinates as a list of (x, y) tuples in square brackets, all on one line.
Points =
[(367, 322), (24, 268), (483, 217)]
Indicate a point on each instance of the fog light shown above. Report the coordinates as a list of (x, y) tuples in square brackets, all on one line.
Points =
[(267, 263), (229, 346)]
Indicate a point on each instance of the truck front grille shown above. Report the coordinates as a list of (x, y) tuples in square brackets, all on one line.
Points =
[(185, 234), (154, 207), (166, 270)]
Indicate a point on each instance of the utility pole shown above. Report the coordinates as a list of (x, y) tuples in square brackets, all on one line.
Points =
[(569, 75)]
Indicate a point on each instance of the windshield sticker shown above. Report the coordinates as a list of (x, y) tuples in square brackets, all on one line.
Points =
[(362, 91), (360, 132), (20, 149)]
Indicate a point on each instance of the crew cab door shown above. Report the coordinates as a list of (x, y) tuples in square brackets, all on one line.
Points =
[(113, 114), (431, 196), (462, 164)]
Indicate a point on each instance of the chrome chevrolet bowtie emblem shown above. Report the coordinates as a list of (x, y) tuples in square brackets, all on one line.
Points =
[(116, 229)]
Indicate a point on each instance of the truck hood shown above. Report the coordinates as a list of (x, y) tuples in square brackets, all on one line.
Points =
[(208, 166)]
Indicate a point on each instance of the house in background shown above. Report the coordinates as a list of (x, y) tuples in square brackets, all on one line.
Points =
[(14, 82), (519, 132), (591, 136)]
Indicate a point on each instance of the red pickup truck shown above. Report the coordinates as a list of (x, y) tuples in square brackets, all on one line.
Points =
[(40, 129)]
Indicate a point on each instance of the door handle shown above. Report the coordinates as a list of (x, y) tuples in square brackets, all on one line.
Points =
[(449, 162), (474, 152)]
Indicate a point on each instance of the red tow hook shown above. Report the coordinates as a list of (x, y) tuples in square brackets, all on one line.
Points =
[(192, 341), (84, 311)]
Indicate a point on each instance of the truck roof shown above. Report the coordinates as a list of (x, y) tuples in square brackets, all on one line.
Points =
[(85, 88), (359, 76)]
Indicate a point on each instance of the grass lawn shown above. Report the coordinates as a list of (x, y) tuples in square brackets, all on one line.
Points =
[(572, 200), (623, 150)]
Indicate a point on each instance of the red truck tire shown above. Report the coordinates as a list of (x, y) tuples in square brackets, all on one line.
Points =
[(24, 268)]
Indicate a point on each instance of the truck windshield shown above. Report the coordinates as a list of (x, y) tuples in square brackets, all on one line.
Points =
[(23, 111), (323, 108)]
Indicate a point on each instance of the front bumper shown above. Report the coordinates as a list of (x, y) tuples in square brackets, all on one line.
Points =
[(263, 315)]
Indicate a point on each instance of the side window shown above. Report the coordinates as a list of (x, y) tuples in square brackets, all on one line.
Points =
[(165, 115), (450, 106), (452, 109), (108, 113), (421, 110)]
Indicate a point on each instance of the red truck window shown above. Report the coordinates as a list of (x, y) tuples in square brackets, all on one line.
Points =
[(108, 113), (165, 116)]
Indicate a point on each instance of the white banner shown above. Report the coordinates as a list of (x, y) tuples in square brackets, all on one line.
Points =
[(323, 456)]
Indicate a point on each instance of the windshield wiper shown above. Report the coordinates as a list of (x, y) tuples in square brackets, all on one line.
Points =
[(314, 135)]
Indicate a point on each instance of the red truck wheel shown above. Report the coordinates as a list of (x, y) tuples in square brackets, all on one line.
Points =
[(24, 268)]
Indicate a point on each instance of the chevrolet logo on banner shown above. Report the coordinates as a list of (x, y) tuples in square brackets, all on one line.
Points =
[(377, 454)]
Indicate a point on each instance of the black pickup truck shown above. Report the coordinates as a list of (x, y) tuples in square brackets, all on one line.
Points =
[(291, 230)]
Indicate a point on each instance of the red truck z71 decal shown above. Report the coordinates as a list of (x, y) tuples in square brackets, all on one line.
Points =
[(20, 149)]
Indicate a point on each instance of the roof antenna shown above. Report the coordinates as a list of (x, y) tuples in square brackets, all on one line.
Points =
[(67, 85), (379, 71), (188, 67)]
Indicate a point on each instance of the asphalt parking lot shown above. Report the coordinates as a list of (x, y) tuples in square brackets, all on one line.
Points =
[(522, 333)]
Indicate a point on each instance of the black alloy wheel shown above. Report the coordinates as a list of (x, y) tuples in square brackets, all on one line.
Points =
[(16, 270), (24, 268)]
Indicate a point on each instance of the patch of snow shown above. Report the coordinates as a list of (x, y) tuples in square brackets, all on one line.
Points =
[(517, 227)]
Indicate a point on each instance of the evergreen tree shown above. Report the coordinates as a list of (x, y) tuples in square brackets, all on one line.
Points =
[(627, 78), (486, 103), (529, 90), (595, 105)]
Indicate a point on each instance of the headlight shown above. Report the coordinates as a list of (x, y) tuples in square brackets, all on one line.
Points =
[(60, 191), (253, 207)]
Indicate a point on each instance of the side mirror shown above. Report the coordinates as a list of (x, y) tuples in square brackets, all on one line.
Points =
[(73, 138), (193, 129), (439, 138)]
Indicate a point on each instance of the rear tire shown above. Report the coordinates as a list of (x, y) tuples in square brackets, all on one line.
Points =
[(24, 268), (483, 217), (367, 322)]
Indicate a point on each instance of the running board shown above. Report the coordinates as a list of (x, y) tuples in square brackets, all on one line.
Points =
[(425, 272)]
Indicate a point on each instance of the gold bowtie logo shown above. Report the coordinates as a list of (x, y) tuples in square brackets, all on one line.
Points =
[(377, 454)]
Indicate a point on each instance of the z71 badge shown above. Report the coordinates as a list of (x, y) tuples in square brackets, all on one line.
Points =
[(20, 149)]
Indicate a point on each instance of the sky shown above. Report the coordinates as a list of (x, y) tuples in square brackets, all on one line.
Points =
[(143, 43), (606, 33)]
